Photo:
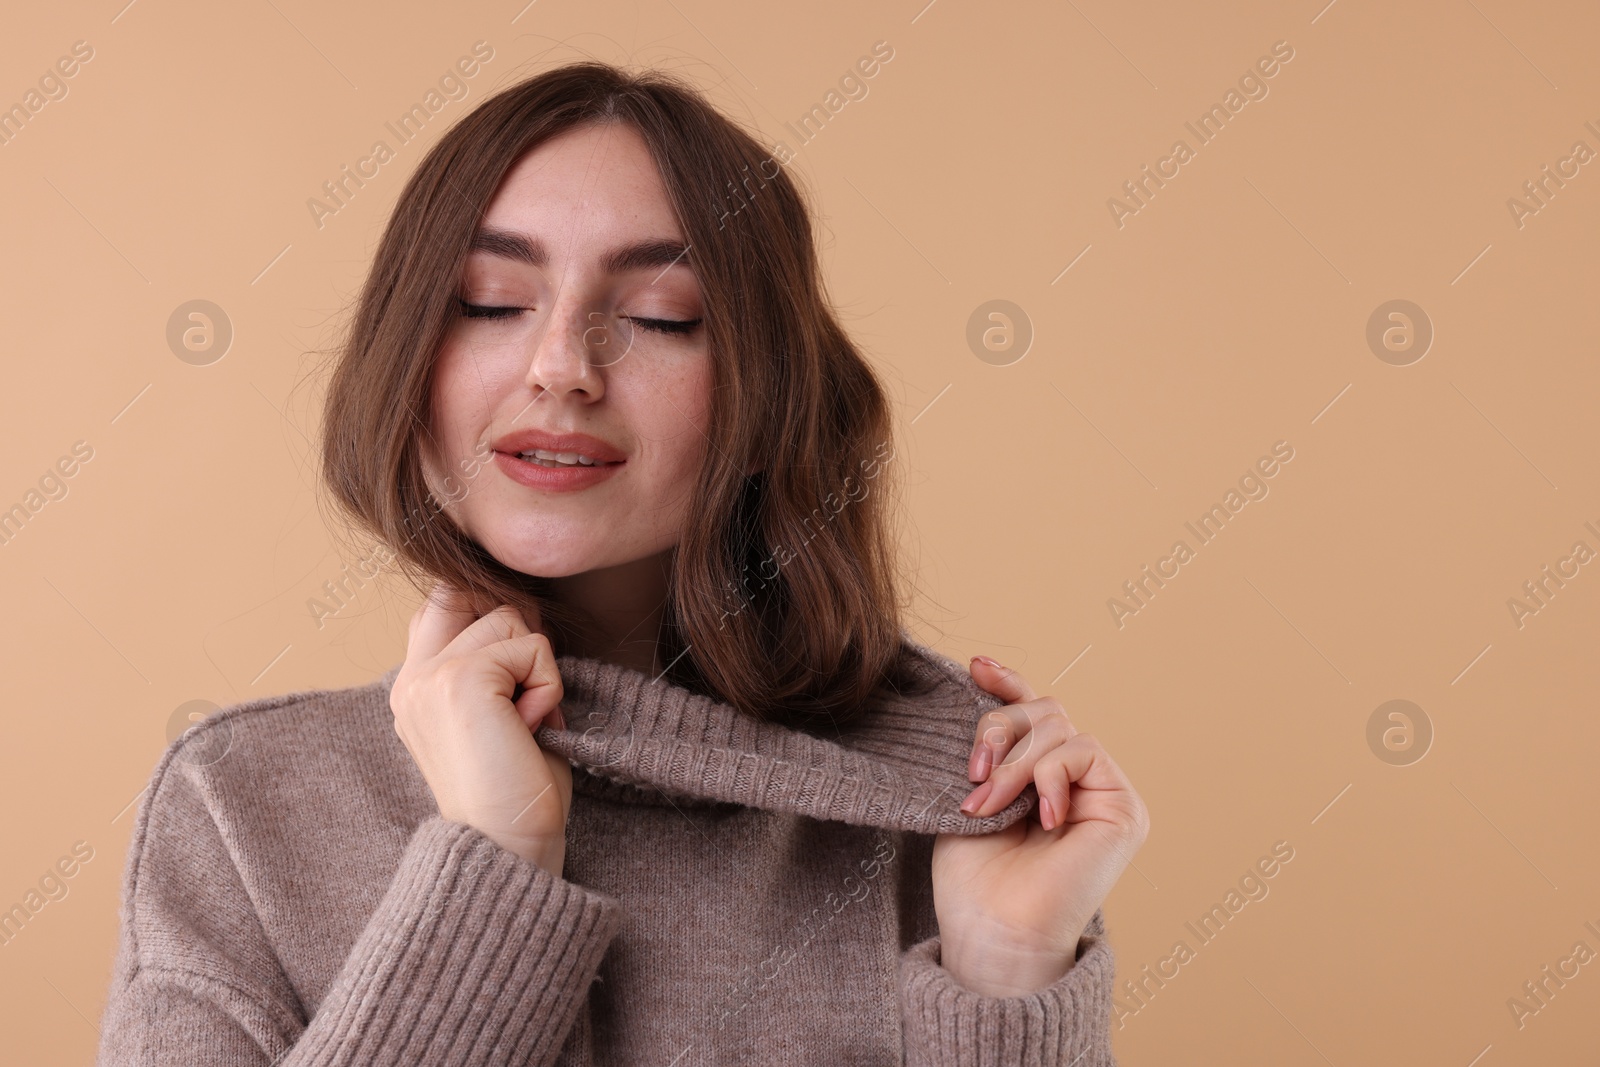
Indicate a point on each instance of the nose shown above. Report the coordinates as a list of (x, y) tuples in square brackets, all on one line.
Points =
[(572, 349)]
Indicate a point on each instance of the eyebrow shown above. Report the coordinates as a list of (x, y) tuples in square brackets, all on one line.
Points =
[(641, 255)]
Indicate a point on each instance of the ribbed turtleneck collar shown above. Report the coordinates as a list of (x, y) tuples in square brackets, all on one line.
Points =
[(902, 765)]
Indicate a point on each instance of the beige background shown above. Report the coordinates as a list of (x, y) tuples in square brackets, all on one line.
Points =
[(1228, 314)]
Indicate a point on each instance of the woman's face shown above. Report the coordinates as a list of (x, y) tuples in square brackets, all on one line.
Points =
[(602, 339)]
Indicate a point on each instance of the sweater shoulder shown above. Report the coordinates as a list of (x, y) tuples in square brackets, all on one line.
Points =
[(284, 720), (299, 752), (245, 817)]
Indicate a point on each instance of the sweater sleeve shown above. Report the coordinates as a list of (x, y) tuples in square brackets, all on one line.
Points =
[(1065, 1024), (473, 956)]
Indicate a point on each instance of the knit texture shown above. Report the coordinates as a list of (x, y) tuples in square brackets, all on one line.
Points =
[(734, 891)]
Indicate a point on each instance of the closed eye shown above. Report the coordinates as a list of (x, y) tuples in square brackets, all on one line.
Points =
[(487, 311), (678, 326), (483, 311)]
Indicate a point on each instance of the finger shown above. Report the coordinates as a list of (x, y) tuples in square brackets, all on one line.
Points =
[(1008, 779), (1082, 783), (1003, 682), (997, 731), (528, 660), (502, 624), (1000, 731), (443, 615)]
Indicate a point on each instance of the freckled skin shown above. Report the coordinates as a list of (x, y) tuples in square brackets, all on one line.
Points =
[(582, 193)]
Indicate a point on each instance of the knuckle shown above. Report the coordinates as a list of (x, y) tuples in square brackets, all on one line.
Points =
[(1057, 721), (1137, 824), (451, 679), (401, 713), (448, 671), (1021, 759), (994, 733), (544, 652), (993, 718), (505, 621)]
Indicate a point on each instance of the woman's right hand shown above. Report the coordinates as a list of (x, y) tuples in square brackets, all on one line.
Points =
[(453, 709)]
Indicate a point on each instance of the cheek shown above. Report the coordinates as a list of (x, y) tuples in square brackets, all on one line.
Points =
[(459, 395), (681, 406), (445, 394), (457, 418)]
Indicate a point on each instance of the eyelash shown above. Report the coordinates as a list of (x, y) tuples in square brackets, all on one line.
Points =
[(671, 326)]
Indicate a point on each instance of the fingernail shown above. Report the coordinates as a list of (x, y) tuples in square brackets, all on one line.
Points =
[(981, 764), (1047, 813), (975, 800), (986, 659)]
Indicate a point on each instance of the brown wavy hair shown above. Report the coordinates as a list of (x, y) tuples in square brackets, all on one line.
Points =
[(783, 590)]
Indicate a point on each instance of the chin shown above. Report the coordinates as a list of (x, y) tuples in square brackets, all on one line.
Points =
[(547, 554), (548, 565)]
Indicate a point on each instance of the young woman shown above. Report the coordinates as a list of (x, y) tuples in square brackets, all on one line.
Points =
[(661, 778)]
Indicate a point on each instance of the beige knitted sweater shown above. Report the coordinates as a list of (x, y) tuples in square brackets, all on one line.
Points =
[(734, 892)]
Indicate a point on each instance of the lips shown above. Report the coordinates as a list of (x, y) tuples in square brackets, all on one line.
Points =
[(531, 439)]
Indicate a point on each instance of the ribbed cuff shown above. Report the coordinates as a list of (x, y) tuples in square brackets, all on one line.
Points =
[(1065, 1024), (473, 956)]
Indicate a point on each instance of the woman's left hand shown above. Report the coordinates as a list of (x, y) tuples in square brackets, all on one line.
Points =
[(1012, 905)]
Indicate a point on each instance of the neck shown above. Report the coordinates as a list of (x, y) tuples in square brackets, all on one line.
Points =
[(627, 604)]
